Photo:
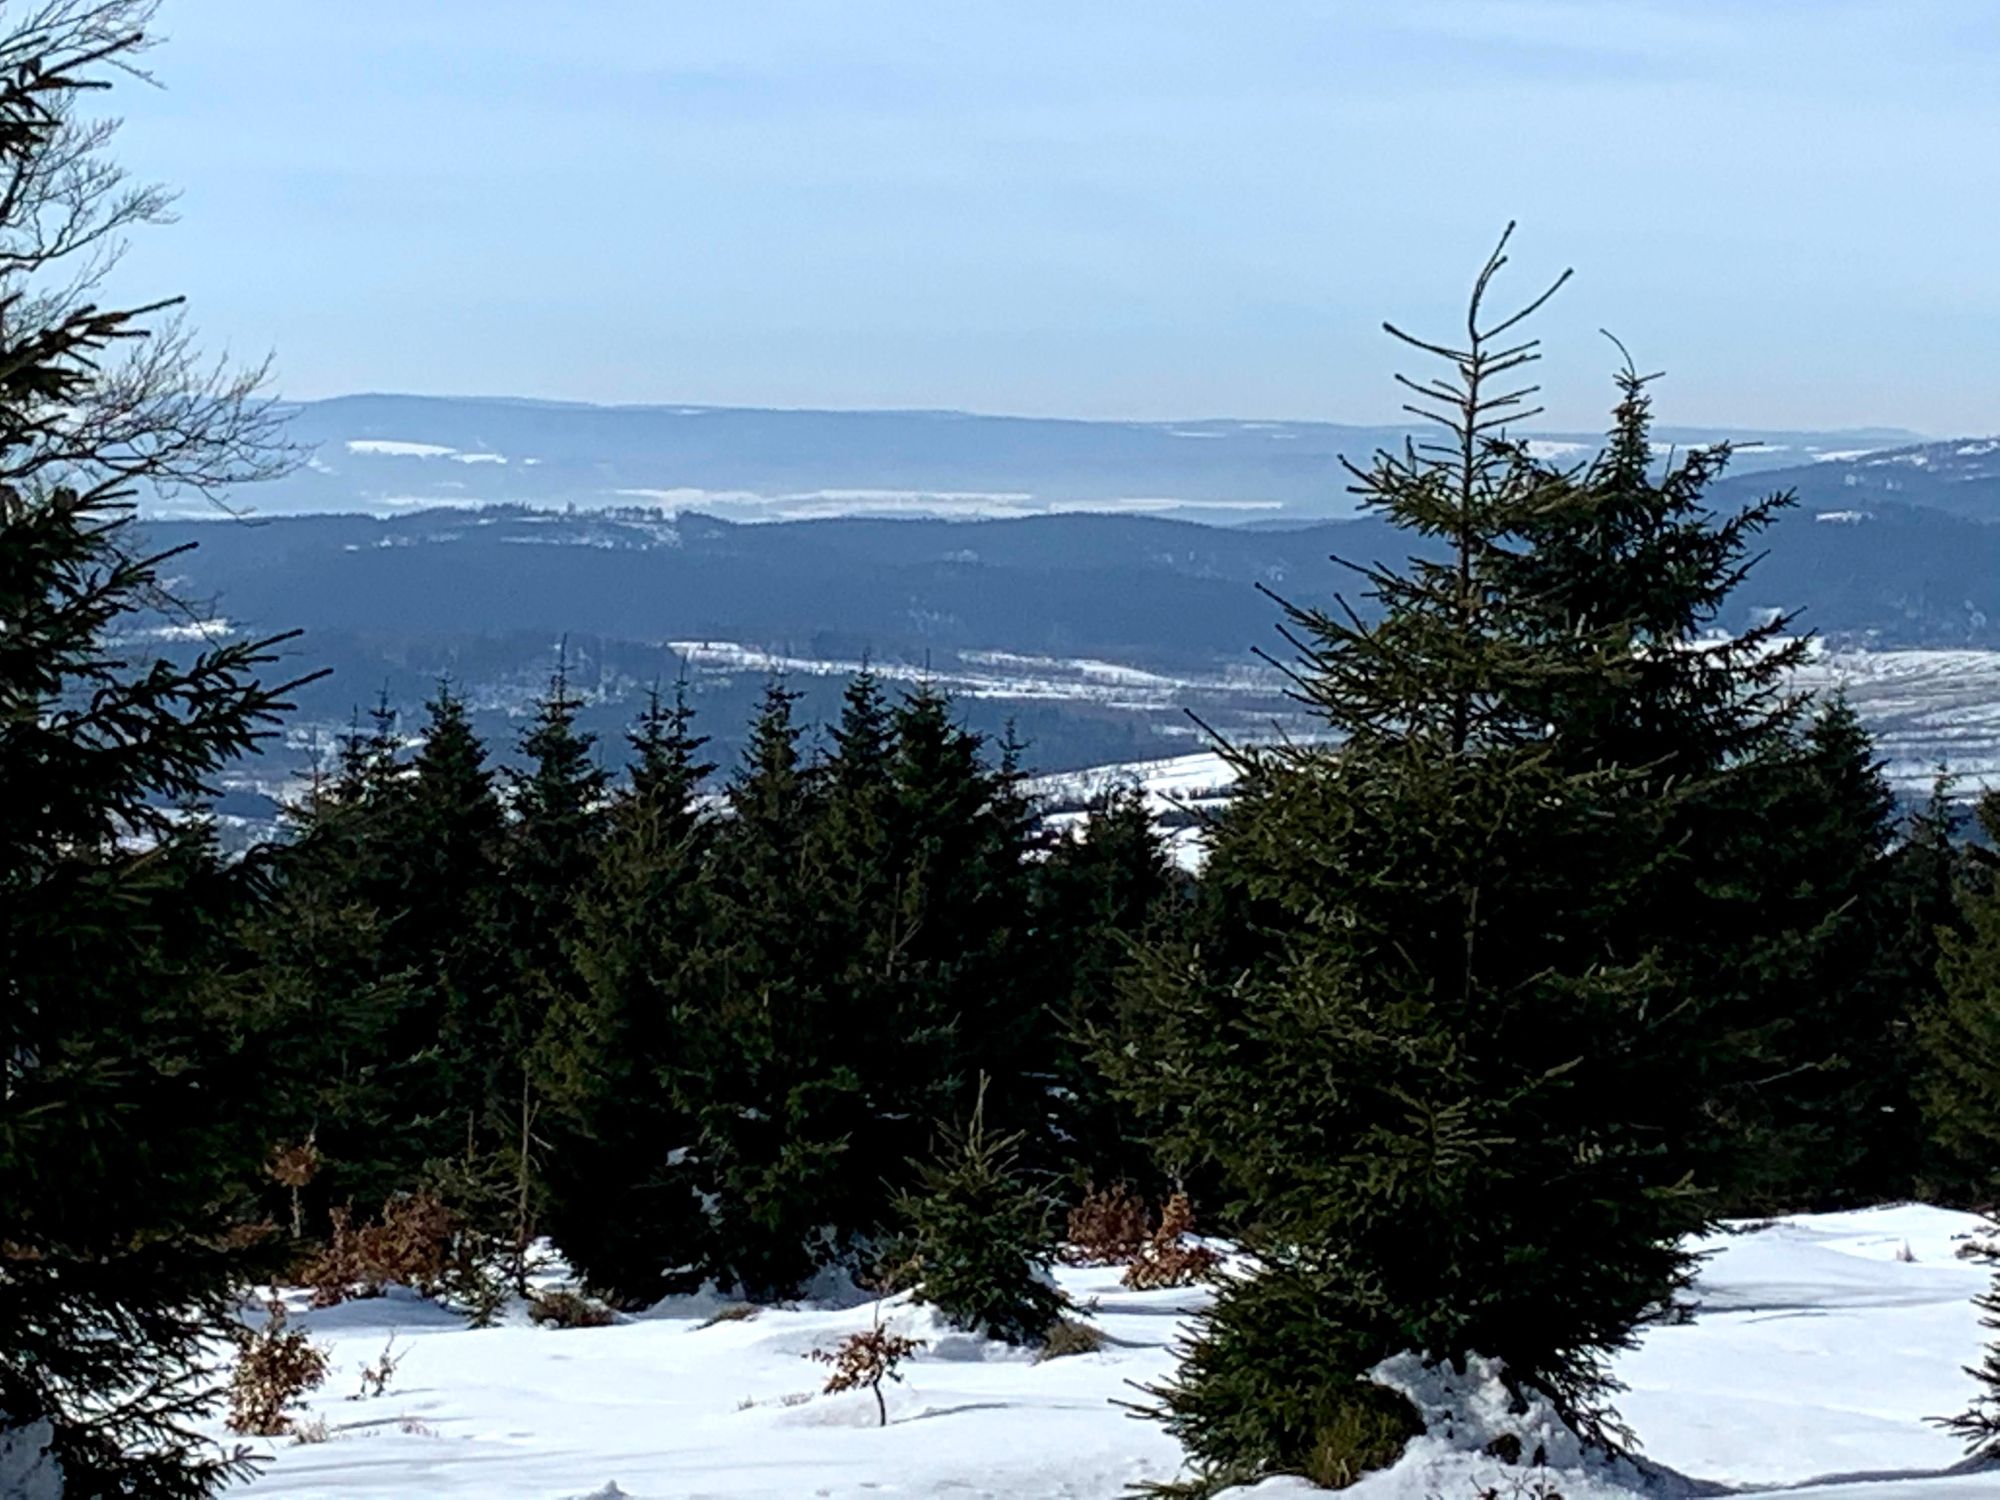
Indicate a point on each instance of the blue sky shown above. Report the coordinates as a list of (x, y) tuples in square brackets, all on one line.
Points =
[(1100, 208)]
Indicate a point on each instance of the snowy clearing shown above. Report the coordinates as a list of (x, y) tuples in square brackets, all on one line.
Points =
[(1815, 1356)]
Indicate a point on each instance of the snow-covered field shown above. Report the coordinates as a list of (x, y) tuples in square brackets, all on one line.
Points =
[(1817, 1349)]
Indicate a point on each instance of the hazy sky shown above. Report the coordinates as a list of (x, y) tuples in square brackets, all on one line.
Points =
[(1134, 208)]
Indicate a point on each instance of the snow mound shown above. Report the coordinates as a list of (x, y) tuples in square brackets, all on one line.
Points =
[(1471, 1416)]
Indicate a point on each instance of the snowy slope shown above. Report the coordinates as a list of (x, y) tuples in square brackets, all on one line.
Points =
[(1816, 1352)]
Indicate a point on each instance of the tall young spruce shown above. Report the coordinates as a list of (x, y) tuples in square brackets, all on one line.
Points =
[(550, 852), (1097, 893), (873, 953), (1962, 1034), (613, 1059), (443, 853), (774, 1105), (1444, 1115), (1768, 914)]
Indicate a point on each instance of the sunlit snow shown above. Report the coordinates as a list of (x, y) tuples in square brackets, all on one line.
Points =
[(1816, 1349)]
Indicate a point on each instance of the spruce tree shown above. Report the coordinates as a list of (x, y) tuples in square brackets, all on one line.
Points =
[(1978, 1426), (1961, 1036), (1838, 1124), (614, 1057), (1444, 1118), (773, 1104), (862, 951), (1096, 894), (135, 1096), (551, 851), (443, 853), (980, 1237), (1768, 911), (967, 997), (361, 1058)]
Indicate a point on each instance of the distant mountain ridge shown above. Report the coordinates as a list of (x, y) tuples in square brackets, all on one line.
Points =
[(1958, 476), (391, 454)]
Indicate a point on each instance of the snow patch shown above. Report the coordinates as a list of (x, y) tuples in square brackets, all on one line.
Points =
[(392, 448), (1550, 448)]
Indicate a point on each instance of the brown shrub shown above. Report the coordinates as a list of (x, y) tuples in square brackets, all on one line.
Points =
[(562, 1308), (275, 1367), (862, 1361), (414, 1243), (1162, 1260), (1106, 1229)]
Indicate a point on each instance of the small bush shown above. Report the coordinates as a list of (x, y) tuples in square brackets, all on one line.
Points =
[(275, 1366), (563, 1308), (979, 1242), (862, 1361), (1106, 1229), (1163, 1260), (417, 1241), (413, 1243), (1068, 1337)]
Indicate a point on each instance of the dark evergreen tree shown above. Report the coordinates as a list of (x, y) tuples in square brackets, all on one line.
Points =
[(1447, 1119), (1978, 1426), (967, 998), (368, 760), (443, 855), (559, 817), (772, 1105), (361, 1060), (1962, 1034), (551, 851), (1830, 1114), (1769, 911), (980, 1237), (1096, 894), (860, 952), (135, 1094), (614, 1057)]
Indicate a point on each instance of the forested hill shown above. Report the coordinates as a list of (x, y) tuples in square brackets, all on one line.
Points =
[(1143, 590)]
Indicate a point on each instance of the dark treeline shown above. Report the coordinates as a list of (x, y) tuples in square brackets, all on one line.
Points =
[(586, 1006)]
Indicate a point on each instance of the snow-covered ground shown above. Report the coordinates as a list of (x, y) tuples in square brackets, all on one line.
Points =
[(1818, 1348)]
